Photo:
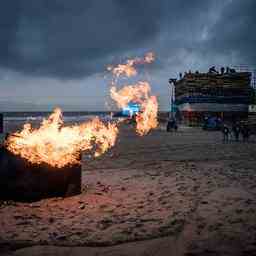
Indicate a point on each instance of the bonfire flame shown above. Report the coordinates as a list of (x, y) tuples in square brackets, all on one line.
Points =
[(146, 119), (139, 93), (60, 145), (128, 69), (136, 93)]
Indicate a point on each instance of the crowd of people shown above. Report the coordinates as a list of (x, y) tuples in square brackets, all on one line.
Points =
[(235, 132), (238, 131)]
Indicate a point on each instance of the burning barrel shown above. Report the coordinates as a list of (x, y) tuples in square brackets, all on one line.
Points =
[(21, 180), (43, 162)]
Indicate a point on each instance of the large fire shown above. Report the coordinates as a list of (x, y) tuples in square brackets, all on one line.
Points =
[(146, 119), (59, 145)]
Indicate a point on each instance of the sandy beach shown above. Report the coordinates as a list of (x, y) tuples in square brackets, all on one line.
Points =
[(183, 193)]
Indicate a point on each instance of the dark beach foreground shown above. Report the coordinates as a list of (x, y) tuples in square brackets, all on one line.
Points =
[(181, 193)]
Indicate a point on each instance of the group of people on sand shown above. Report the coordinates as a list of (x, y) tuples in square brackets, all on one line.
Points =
[(235, 131)]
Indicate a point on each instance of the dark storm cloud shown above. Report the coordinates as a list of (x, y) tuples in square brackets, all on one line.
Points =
[(9, 12), (72, 39), (208, 33), (234, 33)]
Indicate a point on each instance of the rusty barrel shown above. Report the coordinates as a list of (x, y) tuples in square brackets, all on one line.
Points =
[(21, 180)]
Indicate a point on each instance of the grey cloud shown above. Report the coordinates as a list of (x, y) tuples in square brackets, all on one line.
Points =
[(73, 39), (234, 34), (68, 39)]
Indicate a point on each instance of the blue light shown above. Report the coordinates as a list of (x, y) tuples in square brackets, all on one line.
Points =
[(131, 109)]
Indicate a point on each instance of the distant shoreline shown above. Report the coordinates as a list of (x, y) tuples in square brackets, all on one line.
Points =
[(46, 113), (65, 113)]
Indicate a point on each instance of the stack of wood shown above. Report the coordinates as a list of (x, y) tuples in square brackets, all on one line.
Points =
[(238, 82)]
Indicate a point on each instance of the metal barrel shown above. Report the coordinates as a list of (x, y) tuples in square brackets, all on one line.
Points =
[(21, 180)]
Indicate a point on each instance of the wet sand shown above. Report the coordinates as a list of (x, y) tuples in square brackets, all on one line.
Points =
[(184, 193)]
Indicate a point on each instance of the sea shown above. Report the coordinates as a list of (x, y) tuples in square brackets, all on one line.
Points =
[(15, 120)]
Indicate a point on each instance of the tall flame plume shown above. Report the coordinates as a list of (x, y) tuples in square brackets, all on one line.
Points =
[(139, 93), (129, 68)]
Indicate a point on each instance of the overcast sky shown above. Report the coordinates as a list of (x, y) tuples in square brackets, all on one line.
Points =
[(55, 52)]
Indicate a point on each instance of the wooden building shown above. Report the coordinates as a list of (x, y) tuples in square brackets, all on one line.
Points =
[(225, 95)]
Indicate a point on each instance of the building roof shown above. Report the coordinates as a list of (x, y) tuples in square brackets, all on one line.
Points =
[(237, 82)]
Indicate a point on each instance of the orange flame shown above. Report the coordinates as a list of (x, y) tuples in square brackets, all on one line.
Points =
[(60, 145), (129, 69), (149, 57), (146, 119), (130, 93)]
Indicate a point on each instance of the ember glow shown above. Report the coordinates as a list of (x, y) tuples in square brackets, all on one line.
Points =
[(139, 93), (59, 145)]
